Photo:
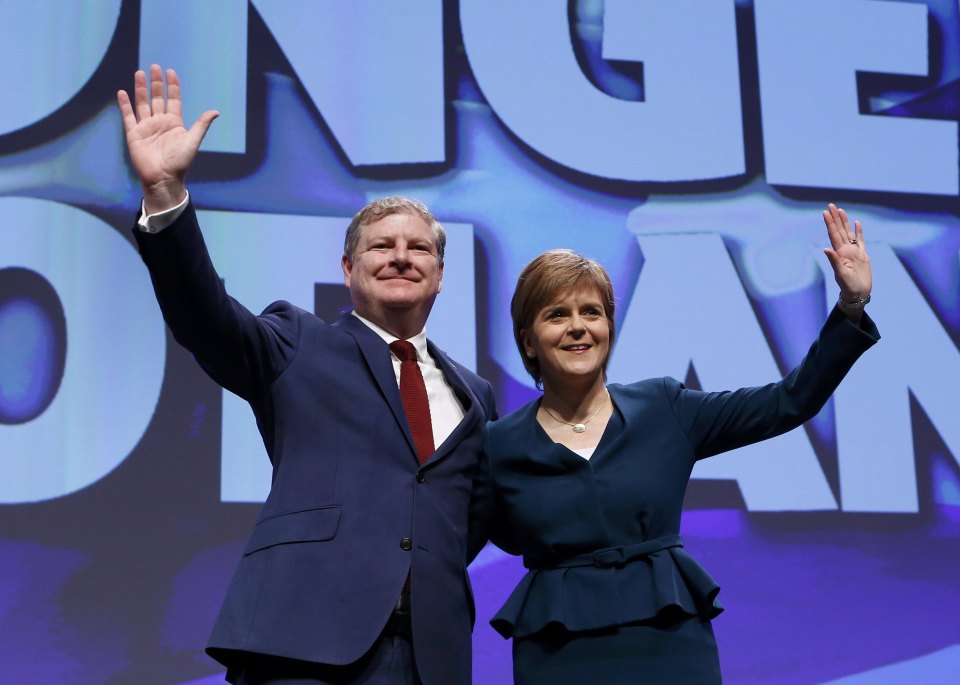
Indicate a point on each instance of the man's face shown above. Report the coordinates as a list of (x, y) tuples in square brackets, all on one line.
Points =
[(394, 271)]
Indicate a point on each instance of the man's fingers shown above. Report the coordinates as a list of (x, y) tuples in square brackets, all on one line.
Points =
[(201, 126), (174, 102), (140, 95), (156, 89), (126, 111)]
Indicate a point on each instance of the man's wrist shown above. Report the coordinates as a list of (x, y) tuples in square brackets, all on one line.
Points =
[(163, 196)]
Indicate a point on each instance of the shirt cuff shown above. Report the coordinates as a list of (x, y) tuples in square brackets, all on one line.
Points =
[(154, 223)]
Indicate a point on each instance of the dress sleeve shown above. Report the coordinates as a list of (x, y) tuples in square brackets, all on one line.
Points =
[(487, 517), (715, 422)]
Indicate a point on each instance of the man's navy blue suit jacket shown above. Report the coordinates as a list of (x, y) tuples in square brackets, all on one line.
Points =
[(351, 512)]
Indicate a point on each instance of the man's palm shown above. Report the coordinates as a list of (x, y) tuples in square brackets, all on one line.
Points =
[(161, 149)]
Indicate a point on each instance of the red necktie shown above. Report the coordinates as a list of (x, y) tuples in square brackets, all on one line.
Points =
[(413, 394)]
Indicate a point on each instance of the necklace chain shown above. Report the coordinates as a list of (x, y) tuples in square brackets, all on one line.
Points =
[(582, 426)]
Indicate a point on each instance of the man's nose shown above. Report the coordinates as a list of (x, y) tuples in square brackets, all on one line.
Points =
[(401, 255)]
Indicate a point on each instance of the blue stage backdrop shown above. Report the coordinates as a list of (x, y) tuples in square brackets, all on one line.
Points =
[(689, 145)]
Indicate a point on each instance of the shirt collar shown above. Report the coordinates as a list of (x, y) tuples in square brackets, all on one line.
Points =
[(419, 340)]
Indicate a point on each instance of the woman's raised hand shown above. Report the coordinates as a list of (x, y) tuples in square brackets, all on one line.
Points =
[(848, 255)]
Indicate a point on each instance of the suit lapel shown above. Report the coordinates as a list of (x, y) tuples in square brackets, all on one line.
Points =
[(377, 355), (473, 412)]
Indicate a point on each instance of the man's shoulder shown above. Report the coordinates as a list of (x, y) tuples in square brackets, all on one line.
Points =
[(443, 358), (282, 314), (479, 386), (284, 308)]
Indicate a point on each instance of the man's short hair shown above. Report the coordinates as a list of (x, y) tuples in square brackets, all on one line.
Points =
[(396, 204)]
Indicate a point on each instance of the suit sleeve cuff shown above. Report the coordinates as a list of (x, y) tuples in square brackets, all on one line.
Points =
[(154, 223)]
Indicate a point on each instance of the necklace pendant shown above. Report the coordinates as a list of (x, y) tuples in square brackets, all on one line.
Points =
[(579, 428)]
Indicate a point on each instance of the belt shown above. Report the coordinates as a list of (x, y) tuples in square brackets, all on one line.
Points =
[(399, 624), (609, 557)]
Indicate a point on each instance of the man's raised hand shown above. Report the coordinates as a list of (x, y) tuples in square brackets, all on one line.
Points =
[(161, 149)]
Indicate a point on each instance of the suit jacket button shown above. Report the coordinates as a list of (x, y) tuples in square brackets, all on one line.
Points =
[(421, 478), (406, 544)]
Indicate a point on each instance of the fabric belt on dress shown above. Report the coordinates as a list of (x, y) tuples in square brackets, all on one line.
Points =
[(609, 557)]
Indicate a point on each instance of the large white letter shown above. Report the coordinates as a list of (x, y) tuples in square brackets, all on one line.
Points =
[(49, 50), (874, 435), (688, 128), (116, 351), (206, 42), (813, 134), (374, 70)]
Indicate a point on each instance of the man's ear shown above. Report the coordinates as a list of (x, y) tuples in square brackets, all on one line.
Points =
[(347, 267), (440, 280)]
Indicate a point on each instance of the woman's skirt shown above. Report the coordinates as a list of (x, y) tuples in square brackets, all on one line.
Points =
[(680, 650)]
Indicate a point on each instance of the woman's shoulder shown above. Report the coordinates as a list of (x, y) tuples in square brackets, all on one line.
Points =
[(646, 389), (517, 420)]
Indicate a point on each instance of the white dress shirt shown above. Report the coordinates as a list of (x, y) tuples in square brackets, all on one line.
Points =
[(446, 411)]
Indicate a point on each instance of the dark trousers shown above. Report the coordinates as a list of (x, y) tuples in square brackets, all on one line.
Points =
[(389, 662)]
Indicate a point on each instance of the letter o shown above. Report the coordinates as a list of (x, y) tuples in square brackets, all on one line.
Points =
[(116, 351)]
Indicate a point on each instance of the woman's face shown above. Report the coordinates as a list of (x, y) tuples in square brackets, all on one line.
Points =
[(570, 338)]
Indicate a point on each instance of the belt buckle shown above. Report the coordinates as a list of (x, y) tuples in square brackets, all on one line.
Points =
[(608, 558), (399, 624)]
